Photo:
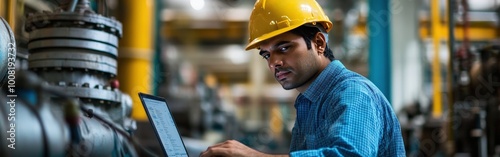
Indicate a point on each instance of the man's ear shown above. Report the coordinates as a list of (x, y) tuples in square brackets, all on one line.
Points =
[(320, 42)]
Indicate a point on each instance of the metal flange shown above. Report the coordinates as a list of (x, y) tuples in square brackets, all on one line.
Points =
[(72, 43), (74, 33), (73, 19), (92, 93)]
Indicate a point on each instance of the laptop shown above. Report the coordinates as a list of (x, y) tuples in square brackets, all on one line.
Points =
[(163, 123)]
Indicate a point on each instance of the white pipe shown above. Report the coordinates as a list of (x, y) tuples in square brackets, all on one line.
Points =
[(483, 5)]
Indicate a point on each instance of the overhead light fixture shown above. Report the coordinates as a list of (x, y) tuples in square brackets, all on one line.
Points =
[(197, 4), (236, 54)]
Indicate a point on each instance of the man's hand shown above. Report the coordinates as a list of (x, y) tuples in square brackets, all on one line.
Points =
[(231, 148)]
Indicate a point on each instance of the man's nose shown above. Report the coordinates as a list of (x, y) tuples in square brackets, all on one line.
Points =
[(275, 62)]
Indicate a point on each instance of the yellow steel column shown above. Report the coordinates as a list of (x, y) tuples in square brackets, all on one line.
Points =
[(11, 14), (436, 68), (2, 8), (135, 51)]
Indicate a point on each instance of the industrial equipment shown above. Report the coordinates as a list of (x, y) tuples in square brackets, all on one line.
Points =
[(69, 99), (467, 124)]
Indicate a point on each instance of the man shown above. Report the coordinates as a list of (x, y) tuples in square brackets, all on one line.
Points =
[(339, 112)]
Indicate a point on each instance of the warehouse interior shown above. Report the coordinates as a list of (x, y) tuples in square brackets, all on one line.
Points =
[(436, 61)]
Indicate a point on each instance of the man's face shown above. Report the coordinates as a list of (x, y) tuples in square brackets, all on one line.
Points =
[(289, 60)]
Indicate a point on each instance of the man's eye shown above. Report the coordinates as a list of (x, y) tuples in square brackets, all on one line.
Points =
[(283, 49), (265, 56)]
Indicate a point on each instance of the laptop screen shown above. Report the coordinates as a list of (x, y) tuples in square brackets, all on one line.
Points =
[(161, 119)]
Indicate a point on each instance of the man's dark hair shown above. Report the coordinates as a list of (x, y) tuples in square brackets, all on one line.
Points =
[(308, 33)]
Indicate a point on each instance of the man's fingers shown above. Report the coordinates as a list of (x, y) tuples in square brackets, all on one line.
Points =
[(219, 144), (211, 150), (214, 151), (225, 144), (226, 148)]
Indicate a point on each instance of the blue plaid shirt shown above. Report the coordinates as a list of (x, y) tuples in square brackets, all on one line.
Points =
[(343, 114)]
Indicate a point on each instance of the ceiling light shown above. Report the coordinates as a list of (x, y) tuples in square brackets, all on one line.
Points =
[(197, 4), (236, 54)]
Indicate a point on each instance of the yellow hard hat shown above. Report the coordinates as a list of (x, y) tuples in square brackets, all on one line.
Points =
[(271, 18)]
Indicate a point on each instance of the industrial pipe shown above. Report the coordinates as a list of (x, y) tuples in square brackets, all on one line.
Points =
[(11, 14), (452, 95), (72, 5), (2, 8), (380, 59), (136, 50), (483, 5), (436, 67)]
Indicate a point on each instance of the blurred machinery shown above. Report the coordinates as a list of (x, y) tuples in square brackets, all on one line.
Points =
[(476, 110), (469, 125), (69, 99), (476, 95)]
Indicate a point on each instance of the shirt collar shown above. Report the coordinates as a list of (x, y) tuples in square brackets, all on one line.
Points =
[(324, 80)]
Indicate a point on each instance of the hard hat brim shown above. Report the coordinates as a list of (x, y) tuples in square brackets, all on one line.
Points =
[(254, 43)]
